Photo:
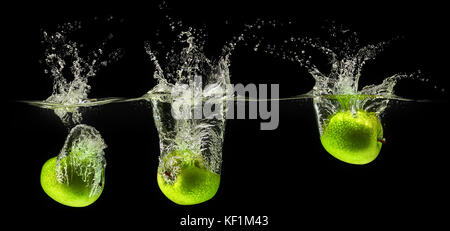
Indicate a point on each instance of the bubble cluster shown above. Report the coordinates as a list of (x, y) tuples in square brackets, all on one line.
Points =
[(82, 156)]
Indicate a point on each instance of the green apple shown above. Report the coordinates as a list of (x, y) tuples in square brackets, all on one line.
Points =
[(76, 192), (355, 139), (183, 178), (76, 177)]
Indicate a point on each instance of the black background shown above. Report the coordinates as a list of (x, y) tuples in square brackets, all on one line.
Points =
[(285, 173)]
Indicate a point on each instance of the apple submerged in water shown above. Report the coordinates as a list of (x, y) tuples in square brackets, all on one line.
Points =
[(75, 193), (183, 178), (355, 139)]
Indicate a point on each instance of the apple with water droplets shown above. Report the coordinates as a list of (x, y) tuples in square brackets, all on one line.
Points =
[(184, 179), (354, 138)]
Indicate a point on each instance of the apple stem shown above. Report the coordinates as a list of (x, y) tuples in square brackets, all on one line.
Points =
[(383, 140), (168, 175)]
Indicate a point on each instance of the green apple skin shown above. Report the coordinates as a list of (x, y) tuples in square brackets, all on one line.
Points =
[(74, 194), (354, 140), (194, 184)]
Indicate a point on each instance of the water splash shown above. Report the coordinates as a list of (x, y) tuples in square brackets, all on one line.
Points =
[(337, 86), (340, 91), (186, 81), (71, 71), (60, 54), (82, 156)]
